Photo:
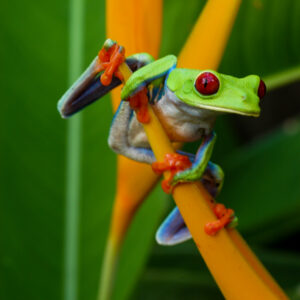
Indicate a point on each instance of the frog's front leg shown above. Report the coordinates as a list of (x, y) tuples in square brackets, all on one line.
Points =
[(200, 162), (151, 77), (118, 139)]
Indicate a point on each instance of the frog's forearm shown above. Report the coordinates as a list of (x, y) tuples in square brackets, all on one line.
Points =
[(149, 73), (201, 160)]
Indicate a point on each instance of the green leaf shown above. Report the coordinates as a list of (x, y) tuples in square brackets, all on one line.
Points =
[(262, 184), (34, 155), (33, 76), (177, 273), (35, 57), (265, 41)]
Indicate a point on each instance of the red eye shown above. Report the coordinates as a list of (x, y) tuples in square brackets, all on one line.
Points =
[(207, 83), (262, 89)]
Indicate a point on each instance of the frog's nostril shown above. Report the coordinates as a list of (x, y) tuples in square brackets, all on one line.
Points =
[(262, 89)]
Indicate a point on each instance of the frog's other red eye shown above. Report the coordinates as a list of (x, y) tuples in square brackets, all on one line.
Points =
[(207, 83), (262, 89)]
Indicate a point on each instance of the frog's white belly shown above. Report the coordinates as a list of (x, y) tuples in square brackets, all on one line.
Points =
[(183, 123)]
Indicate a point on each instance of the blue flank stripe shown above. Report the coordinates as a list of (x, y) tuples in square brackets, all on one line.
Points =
[(116, 113)]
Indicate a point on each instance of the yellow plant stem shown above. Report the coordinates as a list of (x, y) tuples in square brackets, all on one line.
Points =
[(251, 258), (206, 44), (130, 23), (233, 273), (109, 267), (203, 49)]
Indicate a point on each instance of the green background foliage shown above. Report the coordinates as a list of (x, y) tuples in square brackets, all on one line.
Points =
[(260, 157)]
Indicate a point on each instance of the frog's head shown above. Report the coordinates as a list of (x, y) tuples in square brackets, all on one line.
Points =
[(213, 91)]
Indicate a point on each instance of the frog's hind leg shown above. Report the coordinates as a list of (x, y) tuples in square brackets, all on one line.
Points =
[(213, 176), (173, 230), (118, 138)]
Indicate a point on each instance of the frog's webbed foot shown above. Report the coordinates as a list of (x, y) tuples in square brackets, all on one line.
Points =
[(174, 163), (226, 217), (174, 231), (88, 87), (181, 167)]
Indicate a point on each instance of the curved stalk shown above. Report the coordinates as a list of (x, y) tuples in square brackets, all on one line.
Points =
[(236, 275), (73, 157)]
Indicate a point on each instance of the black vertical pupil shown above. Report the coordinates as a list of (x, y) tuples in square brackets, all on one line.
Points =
[(205, 82)]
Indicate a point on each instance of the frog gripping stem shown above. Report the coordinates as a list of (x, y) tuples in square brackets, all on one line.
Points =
[(110, 57), (225, 216), (174, 163), (139, 103)]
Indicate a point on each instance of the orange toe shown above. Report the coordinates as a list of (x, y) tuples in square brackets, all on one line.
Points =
[(173, 162)]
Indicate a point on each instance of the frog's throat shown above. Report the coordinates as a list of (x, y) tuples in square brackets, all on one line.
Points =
[(186, 121)]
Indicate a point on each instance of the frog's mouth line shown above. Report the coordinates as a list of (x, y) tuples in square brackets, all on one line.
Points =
[(88, 88), (228, 110)]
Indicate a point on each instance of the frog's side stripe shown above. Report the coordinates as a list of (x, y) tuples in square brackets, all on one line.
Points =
[(155, 90), (147, 74)]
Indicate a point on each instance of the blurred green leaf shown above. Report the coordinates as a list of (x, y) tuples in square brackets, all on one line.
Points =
[(33, 160), (265, 40), (262, 183), (33, 75), (34, 56), (177, 273)]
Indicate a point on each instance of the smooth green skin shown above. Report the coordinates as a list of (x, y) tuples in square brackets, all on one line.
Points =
[(235, 95)]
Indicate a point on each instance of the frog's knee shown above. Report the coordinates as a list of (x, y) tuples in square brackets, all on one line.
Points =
[(115, 143)]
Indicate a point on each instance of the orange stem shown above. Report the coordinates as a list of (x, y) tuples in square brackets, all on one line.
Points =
[(233, 273)]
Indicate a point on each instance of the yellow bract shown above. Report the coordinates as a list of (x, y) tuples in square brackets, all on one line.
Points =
[(131, 25), (237, 271)]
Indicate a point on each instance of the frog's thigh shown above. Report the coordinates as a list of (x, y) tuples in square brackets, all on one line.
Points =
[(213, 176), (173, 230), (136, 134), (118, 138)]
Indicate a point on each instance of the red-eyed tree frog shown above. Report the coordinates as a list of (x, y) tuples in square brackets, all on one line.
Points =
[(186, 102)]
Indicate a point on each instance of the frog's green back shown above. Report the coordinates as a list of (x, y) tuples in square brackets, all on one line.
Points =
[(235, 95), (147, 74)]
